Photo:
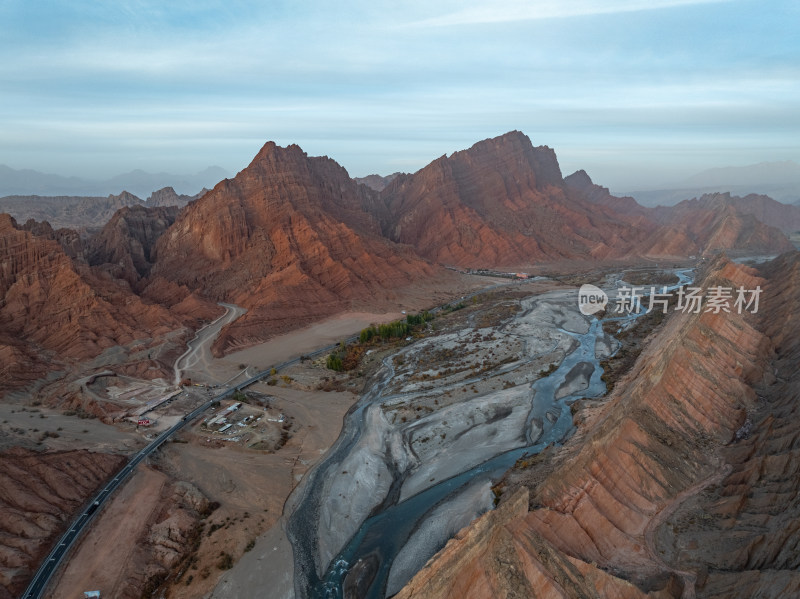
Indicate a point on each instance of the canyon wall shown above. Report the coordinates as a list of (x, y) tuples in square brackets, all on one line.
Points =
[(675, 486), (38, 493)]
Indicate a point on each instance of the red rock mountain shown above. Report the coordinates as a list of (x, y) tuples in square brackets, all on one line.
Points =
[(714, 223), (56, 309), (125, 243), (503, 202), (785, 217), (291, 238), (677, 485), (39, 492)]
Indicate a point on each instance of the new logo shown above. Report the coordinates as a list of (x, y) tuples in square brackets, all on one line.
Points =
[(591, 299)]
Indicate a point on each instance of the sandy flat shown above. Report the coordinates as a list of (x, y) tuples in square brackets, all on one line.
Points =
[(103, 554), (25, 428), (258, 483), (266, 571), (296, 343)]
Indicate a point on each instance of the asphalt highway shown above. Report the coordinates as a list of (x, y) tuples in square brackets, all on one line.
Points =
[(51, 563), (53, 560)]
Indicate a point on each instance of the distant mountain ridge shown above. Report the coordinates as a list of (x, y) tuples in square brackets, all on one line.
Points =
[(377, 182), (85, 213), (27, 182), (777, 173), (293, 238), (779, 180)]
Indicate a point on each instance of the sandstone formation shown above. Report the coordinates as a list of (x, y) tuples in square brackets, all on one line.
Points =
[(56, 309), (291, 238), (714, 223), (125, 243), (678, 485), (503, 202), (168, 197), (39, 493)]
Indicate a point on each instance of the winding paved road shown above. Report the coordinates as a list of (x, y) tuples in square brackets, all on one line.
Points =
[(51, 563), (191, 357)]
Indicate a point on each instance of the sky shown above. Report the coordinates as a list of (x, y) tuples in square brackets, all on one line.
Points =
[(636, 92)]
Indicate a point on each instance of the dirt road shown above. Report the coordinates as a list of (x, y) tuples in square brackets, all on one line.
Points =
[(197, 357)]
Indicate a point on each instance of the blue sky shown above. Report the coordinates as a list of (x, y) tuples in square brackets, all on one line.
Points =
[(637, 92)]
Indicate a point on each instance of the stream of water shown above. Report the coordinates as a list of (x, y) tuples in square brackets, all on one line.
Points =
[(381, 537)]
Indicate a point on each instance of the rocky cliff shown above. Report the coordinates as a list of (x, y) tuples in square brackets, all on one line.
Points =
[(56, 309), (501, 202), (291, 238), (674, 486), (38, 494), (167, 196), (714, 223), (125, 243)]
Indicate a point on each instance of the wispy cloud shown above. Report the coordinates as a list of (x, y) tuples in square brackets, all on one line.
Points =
[(521, 10)]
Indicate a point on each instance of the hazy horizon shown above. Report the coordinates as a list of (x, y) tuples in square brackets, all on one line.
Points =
[(636, 93)]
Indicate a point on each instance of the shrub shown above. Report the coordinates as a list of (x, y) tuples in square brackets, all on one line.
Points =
[(225, 561), (335, 362)]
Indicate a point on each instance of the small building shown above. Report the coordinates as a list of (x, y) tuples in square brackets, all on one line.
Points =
[(521, 275), (140, 422), (224, 428), (91, 595)]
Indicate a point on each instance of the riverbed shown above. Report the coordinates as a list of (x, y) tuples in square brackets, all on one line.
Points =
[(444, 417)]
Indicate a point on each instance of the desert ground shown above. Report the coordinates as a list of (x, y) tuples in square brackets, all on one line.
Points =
[(222, 538), (247, 486)]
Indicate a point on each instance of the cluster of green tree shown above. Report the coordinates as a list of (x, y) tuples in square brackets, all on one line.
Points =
[(396, 329), (389, 330), (418, 319), (345, 358), (335, 362)]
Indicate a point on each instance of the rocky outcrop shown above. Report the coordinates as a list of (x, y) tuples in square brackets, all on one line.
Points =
[(69, 239), (495, 557), (168, 197), (676, 486), (772, 213), (56, 310), (501, 202), (291, 238), (173, 535), (39, 493), (124, 245)]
